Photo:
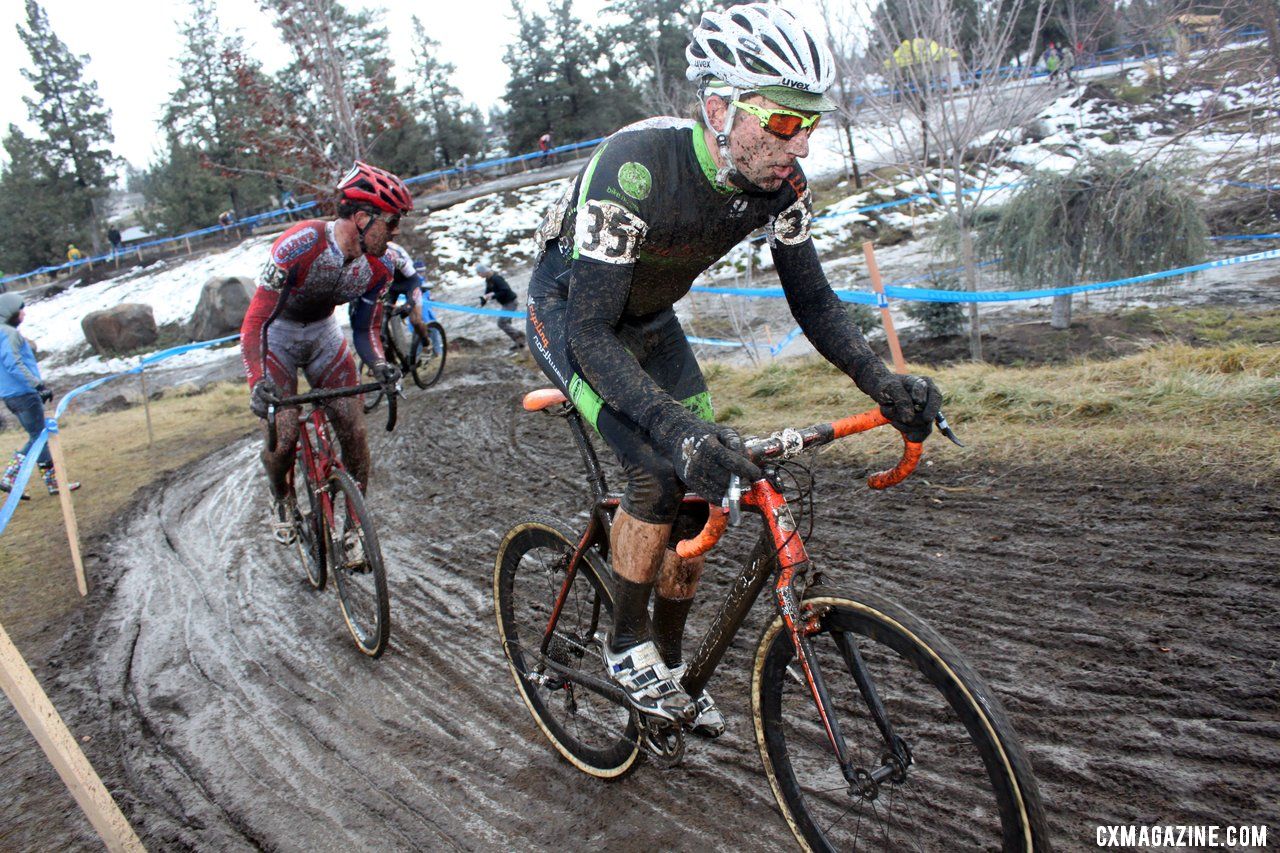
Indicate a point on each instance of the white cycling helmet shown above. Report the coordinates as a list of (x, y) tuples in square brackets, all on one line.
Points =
[(757, 47), (763, 49)]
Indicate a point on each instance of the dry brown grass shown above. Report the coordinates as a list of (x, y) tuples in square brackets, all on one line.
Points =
[(108, 453), (1198, 411)]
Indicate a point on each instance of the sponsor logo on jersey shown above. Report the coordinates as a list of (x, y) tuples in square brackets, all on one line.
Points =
[(738, 206), (635, 180), (294, 246)]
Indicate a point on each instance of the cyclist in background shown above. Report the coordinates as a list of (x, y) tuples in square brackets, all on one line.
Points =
[(315, 266), (406, 281), (658, 203)]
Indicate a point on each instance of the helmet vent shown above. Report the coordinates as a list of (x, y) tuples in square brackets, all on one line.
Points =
[(742, 21), (722, 50), (778, 51), (754, 63)]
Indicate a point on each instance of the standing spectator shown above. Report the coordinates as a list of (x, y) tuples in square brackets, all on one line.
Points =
[(286, 198), (113, 236), (24, 392), (496, 287), (73, 254), (1052, 62), (226, 218), (1068, 62), (544, 145)]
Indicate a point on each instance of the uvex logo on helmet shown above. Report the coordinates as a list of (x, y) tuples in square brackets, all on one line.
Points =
[(798, 84), (749, 43)]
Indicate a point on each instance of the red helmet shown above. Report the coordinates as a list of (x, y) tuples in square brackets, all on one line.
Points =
[(365, 184)]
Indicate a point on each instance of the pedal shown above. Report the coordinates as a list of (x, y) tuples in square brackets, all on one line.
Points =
[(663, 740)]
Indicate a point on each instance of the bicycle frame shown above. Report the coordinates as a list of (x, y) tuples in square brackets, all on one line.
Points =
[(792, 565), (319, 457)]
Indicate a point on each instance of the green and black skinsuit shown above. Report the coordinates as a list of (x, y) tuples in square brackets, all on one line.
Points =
[(640, 223)]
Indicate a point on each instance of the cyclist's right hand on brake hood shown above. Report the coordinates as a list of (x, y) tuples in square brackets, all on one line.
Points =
[(264, 394), (387, 374), (706, 456)]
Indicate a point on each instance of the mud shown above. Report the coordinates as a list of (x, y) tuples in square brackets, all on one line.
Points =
[(1128, 622)]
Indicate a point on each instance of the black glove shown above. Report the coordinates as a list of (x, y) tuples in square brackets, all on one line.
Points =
[(387, 374), (264, 393), (910, 403), (484, 300), (706, 456), (45, 394)]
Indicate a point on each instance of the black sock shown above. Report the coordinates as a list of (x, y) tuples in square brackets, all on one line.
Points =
[(630, 614), (669, 615)]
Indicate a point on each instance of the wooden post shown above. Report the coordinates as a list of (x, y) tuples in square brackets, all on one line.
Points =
[(187, 240), (895, 348), (64, 498), (139, 251), (33, 705), (146, 401)]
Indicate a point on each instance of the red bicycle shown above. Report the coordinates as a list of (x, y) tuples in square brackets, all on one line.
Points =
[(334, 531), (873, 730)]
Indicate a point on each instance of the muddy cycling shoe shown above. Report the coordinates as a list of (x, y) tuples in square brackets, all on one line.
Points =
[(353, 550), (710, 722), (283, 528), (640, 671)]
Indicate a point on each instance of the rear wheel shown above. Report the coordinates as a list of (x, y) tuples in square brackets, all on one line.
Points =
[(426, 358), (355, 562), (591, 732), (309, 523), (966, 784)]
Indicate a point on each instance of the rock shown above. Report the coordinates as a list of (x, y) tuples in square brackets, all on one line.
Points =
[(122, 329), (221, 308), (1036, 131)]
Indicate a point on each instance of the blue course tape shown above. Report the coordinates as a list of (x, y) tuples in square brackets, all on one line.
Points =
[(24, 475), (467, 309), (1247, 237)]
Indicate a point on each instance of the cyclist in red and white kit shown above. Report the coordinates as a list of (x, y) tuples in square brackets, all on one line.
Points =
[(315, 266)]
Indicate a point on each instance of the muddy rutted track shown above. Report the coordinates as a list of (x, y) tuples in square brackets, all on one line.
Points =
[(1129, 626)]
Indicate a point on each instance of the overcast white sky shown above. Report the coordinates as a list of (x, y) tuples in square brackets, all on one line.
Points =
[(133, 51)]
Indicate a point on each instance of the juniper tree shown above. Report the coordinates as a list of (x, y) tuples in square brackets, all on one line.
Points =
[(74, 123), (33, 205), (561, 80), (1107, 218), (648, 45), (451, 128)]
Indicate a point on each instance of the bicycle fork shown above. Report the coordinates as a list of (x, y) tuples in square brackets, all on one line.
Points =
[(794, 564)]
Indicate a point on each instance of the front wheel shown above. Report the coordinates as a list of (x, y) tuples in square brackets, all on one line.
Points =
[(426, 357), (966, 783), (355, 562), (591, 732), (309, 523)]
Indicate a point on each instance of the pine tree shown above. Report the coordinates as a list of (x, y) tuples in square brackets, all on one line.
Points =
[(76, 127), (451, 129), (648, 44), (200, 121), (562, 81), (33, 206)]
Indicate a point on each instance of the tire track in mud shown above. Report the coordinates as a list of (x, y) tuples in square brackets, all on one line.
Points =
[(1129, 627)]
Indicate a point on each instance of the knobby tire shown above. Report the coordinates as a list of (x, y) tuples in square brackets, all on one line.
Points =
[(969, 787), (589, 731), (312, 532), (362, 591)]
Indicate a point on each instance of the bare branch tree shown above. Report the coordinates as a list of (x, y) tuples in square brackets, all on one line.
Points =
[(953, 105)]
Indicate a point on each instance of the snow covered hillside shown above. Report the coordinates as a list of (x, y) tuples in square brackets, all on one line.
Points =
[(1170, 128)]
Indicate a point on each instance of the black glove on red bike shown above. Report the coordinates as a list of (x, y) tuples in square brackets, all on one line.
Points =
[(387, 374), (265, 393), (706, 456), (910, 403)]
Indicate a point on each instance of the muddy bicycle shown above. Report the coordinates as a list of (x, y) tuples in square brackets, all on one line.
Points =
[(334, 531), (874, 732), (406, 348)]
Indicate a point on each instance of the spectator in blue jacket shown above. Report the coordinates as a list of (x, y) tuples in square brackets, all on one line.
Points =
[(24, 392)]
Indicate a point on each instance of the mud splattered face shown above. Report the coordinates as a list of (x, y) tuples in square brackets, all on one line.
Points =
[(380, 233), (762, 158)]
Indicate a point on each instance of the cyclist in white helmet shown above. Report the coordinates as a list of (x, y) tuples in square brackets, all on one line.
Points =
[(658, 203)]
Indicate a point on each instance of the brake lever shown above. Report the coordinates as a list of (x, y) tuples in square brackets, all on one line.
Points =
[(733, 500), (945, 428)]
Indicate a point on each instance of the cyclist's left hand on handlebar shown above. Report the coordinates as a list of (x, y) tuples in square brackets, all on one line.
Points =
[(265, 393), (910, 403), (387, 374)]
